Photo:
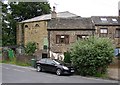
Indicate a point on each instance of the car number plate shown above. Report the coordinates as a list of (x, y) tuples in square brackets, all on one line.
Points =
[(72, 70)]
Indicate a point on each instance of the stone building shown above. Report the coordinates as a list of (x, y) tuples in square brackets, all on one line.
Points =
[(63, 32), (54, 33), (108, 26), (35, 30)]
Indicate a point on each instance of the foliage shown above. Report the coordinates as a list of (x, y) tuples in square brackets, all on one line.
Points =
[(30, 48), (13, 13), (31, 9), (67, 58), (14, 61), (92, 56), (8, 27)]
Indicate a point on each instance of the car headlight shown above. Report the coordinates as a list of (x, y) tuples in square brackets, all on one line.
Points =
[(66, 68)]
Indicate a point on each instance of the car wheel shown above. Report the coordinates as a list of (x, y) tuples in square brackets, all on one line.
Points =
[(39, 69), (58, 72)]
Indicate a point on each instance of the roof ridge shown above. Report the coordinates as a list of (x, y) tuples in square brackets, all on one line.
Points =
[(104, 16), (48, 16)]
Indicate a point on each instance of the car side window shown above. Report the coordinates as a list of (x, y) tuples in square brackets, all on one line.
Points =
[(43, 60), (49, 61)]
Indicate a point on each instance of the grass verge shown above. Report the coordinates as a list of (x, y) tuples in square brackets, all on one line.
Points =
[(104, 76), (15, 62)]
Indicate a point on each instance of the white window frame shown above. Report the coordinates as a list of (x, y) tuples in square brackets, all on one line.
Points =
[(103, 30), (62, 36), (83, 36)]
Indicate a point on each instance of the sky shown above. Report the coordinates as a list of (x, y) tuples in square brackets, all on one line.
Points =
[(87, 8)]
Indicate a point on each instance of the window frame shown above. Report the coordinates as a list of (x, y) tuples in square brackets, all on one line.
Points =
[(37, 25), (103, 34), (60, 40), (81, 37), (117, 33), (104, 30), (26, 26)]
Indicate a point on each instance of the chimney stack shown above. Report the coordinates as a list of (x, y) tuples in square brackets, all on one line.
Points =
[(53, 14)]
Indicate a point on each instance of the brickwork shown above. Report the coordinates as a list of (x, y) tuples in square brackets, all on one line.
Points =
[(71, 27), (19, 34), (61, 48), (37, 31), (111, 34), (33, 32)]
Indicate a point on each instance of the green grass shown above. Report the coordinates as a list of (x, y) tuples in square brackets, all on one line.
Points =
[(101, 75), (13, 61)]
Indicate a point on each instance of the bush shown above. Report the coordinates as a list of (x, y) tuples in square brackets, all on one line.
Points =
[(67, 58), (30, 48), (92, 56)]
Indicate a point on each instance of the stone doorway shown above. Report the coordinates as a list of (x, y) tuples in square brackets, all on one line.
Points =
[(44, 55)]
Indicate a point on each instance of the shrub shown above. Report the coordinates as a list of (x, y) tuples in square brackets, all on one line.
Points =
[(30, 48), (67, 58), (92, 56)]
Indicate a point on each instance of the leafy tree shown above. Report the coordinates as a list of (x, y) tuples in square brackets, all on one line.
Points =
[(8, 26), (26, 10), (30, 48), (16, 12), (0, 25), (5, 30), (92, 56)]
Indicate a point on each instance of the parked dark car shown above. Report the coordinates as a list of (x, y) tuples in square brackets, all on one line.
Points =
[(53, 65)]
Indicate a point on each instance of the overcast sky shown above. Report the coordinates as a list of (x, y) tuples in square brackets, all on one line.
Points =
[(87, 8)]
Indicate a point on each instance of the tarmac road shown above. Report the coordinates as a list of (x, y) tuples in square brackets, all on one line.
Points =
[(19, 74)]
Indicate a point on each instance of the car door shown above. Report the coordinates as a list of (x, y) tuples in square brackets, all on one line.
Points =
[(43, 63), (50, 65)]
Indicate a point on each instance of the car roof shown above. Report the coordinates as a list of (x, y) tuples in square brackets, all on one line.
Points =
[(46, 59), (50, 59)]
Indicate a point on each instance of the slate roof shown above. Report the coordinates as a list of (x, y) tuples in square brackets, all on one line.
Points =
[(110, 20), (70, 23), (65, 14)]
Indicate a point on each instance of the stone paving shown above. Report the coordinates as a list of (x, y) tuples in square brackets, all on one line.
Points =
[(114, 70), (114, 73)]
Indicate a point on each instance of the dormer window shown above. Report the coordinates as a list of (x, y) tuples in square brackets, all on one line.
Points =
[(37, 25), (103, 19)]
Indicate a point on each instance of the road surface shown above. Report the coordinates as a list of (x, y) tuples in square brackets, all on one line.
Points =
[(19, 74)]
